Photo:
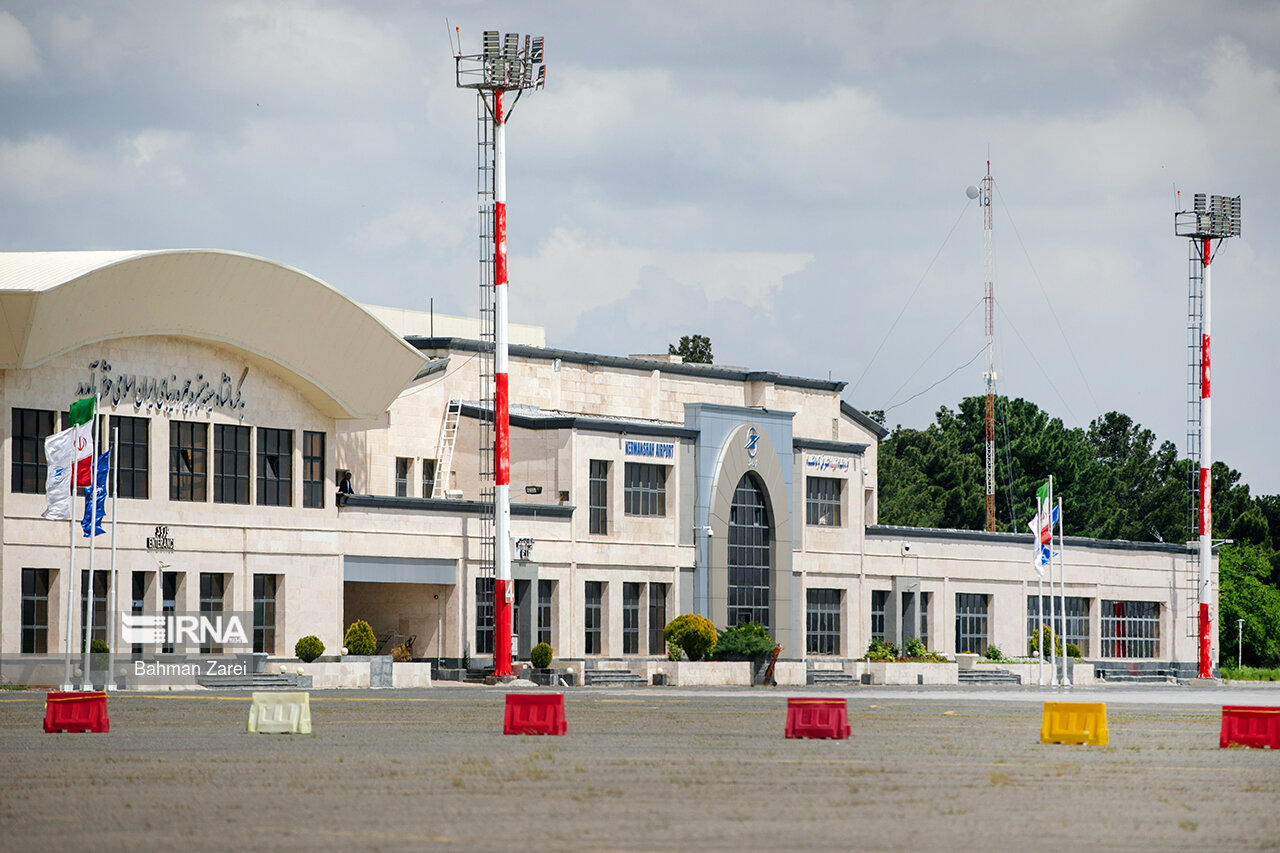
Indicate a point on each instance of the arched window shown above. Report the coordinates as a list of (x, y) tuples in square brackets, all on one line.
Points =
[(749, 563)]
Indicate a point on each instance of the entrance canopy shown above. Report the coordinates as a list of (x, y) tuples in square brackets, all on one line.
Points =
[(345, 361)]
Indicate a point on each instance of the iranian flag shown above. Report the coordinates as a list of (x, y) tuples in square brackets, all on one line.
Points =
[(81, 415), (1044, 515)]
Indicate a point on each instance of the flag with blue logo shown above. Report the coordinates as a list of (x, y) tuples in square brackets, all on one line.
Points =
[(100, 504), (1042, 525)]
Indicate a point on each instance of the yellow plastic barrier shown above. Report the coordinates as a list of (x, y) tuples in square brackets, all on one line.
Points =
[(280, 713), (1074, 722)]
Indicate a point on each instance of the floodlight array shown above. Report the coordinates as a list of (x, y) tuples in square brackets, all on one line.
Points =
[(1211, 216), (504, 63)]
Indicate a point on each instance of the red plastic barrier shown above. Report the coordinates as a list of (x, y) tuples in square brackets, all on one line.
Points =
[(1250, 726), (534, 714), (76, 712), (817, 718)]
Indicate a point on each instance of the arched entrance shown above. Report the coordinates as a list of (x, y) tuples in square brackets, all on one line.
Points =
[(749, 564)]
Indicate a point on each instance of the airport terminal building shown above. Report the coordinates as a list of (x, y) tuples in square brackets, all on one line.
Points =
[(642, 487)]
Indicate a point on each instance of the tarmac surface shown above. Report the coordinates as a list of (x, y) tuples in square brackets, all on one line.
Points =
[(640, 769)]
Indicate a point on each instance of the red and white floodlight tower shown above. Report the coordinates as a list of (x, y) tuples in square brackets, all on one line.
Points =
[(1203, 224), (504, 66)]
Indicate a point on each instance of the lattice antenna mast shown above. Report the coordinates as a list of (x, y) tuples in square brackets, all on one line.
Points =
[(1214, 218), (503, 66), (989, 377)]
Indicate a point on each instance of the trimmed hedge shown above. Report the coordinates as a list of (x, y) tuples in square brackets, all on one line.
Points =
[(308, 648)]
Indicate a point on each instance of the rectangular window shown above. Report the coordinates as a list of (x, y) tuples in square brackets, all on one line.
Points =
[(35, 611), (428, 477), (598, 497), (402, 476), (275, 467), (484, 616), (879, 597), (168, 600), (264, 613), (971, 622), (924, 617), (313, 469), (822, 622), (1076, 627), (133, 465), (822, 501), (644, 490), (545, 590), (99, 631), (230, 464), (593, 618), (631, 618), (138, 602), (657, 618), (188, 461), (1130, 629), (29, 468), (213, 588)]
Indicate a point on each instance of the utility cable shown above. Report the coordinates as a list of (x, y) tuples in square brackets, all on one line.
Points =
[(927, 358), (940, 381)]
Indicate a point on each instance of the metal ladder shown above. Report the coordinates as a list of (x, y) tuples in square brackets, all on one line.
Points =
[(444, 455), (488, 336), (1195, 318)]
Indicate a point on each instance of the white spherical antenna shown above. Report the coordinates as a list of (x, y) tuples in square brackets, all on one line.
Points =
[(971, 192)]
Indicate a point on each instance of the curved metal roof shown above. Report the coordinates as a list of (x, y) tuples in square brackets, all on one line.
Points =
[(340, 357)]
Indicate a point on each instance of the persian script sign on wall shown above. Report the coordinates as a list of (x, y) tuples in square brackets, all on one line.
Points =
[(818, 462), (161, 541), (165, 393)]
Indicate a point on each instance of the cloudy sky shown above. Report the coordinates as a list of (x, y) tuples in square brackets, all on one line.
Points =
[(788, 179)]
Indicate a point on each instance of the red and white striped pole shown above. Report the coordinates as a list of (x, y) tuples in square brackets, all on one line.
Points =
[(1206, 469), (503, 591)]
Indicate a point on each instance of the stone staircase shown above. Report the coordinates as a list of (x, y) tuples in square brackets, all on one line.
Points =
[(256, 681), (987, 675), (613, 678), (835, 677)]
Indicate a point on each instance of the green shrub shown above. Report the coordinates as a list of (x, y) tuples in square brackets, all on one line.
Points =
[(882, 650), (695, 635), (98, 647), (673, 651), (744, 641), (360, 639), (1073, 650), (1046, 635), (308, 648), (914, 648), (540, 656), (993, 653)]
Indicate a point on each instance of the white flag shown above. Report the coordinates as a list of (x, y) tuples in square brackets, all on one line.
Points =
[(59, 452)]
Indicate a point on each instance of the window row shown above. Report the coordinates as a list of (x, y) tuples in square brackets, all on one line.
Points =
[(38, 587), (404, 472), (644, 492), (227, 463)]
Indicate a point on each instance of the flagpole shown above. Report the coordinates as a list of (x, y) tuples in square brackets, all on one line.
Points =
[(67, 686), (90, 508), (112, 580), (1062, 585), (1053, 652), (1039, 616)]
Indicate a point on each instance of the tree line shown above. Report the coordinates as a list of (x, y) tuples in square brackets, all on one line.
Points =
[(1115, 482)]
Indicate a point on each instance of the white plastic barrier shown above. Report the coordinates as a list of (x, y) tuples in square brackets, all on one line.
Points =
[(280, 713)]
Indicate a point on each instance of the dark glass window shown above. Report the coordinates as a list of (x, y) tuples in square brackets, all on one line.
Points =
[(822, 501), (749, 555), (168, 600), (545, 590), (99, 631), (971, 622), (132, 466), (1130, 629), (29, 469), (313, 469), (428, 477), (822, 622), (275, 467), (484, 616), (879, 598), (644, 490), (598, 497), (35, 611), (593, 618), (402, 476), (188, 461), (657, 618), (631, 618), (264, 613), (138, 602), (1071, 627), (230, 464), (213, 589), (924, 617)]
